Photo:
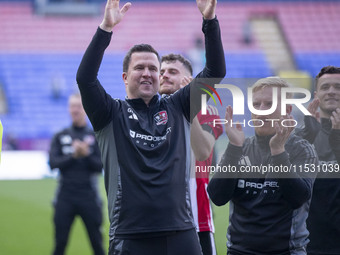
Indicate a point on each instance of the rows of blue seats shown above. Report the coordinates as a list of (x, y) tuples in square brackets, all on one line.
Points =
[(34, 113), (312, 62)]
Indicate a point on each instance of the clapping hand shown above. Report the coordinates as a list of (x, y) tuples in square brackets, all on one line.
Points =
[(278, 141), (233, 130), (335, 118), (81, 149)]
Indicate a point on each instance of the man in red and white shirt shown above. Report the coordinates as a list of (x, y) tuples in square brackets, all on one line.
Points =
[(199, 198), (176, 72)]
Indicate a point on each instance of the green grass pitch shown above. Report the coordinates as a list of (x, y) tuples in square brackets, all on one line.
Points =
[(26, 225)]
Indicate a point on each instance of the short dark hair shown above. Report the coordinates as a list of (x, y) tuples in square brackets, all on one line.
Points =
[(138, 48), (177, 57), (326, 70)]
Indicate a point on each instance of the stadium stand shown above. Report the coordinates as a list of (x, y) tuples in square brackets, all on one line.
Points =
[(34, 47)]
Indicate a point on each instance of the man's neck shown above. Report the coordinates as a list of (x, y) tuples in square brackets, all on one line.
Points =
[(79, 125), (324, 114), (145, 100)]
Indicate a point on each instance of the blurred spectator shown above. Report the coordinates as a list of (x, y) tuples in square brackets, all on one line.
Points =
[(247, 33), (58, 86), (11, 143), (3, 100), (75, 152), (196, 55)]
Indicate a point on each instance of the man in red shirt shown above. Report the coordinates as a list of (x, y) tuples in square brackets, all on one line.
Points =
[(176, 72)]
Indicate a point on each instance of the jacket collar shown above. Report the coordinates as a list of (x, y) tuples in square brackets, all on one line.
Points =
[(263, 141), (138, 103), (326, 124)]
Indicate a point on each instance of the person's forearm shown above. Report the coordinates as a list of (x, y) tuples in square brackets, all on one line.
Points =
[(215, 61), (56, 158), (310, 129), (221, 190), (202, 142), (94, 162), (215, 68), (90, 63), (222, 186), (334, 141), (95, 100), (295, 190), (61, 162)]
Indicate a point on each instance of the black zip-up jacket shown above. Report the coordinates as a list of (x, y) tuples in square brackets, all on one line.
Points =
[(323, 221), (268, 211), (145, 149), (77, 176)]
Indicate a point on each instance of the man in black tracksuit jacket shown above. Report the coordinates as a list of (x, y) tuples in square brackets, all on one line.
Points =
[(74, 151), (145, 142), (323, 221), (268, 210)]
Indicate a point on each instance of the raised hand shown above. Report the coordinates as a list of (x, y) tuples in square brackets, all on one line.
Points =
[(233, 130), (278, 141), (113, 15), (207, 8)]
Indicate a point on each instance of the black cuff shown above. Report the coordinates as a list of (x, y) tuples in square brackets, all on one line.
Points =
[(207, 20), (208, 23), (99, 30), (280, 159)]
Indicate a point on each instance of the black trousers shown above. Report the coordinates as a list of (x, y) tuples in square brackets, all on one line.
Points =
[(207, 242), (177, 243), (66, 209)]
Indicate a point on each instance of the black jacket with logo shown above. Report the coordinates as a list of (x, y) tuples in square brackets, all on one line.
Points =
[(145, 148), (267, 210)]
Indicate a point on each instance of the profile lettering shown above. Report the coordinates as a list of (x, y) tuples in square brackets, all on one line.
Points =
[(238, 99)]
